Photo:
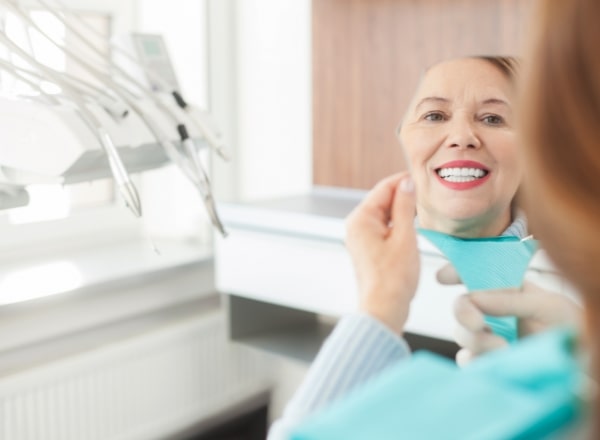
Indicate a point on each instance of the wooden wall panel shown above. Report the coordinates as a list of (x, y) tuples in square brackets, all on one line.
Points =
[(368, 56)]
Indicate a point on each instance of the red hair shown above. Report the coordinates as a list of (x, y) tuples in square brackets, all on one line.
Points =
[(561, 128)]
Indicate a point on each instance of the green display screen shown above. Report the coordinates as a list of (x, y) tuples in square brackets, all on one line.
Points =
[(151, 47)]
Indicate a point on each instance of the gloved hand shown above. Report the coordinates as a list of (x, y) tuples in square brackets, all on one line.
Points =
[(536, 309), (382, 242)]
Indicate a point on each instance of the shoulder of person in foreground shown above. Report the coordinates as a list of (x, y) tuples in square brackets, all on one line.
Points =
[(358, 349)]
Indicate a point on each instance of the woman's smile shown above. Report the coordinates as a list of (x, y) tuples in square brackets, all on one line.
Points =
[(462, 174)]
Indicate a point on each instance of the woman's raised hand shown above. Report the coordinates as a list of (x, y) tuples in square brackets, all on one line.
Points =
[(381, 239)]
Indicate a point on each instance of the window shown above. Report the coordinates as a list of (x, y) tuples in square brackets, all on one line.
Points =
[(55, 201)]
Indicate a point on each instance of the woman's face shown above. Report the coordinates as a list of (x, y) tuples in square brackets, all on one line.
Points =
[(459, 139)]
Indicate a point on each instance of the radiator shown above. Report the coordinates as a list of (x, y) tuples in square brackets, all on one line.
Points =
[(143, 387)]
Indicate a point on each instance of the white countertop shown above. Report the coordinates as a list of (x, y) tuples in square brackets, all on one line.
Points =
[(63, 292)]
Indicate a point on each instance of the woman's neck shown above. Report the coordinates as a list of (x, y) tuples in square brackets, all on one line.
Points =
[(467, 228)]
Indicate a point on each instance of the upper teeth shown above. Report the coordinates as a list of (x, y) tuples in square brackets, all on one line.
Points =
[(461, 174)]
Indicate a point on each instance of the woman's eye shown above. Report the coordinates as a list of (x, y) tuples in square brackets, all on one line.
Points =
[(434, 117), (493, 120)]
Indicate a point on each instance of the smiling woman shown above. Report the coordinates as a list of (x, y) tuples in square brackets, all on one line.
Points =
[(459, 139)]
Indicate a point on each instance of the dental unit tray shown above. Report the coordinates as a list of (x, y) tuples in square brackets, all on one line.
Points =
[(51, 144)]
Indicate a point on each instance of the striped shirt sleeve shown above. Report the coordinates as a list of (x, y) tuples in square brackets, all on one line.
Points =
[(359, 348), (518, 227)]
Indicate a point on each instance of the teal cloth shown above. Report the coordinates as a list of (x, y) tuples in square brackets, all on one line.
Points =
[(487, 263), (525, 391)]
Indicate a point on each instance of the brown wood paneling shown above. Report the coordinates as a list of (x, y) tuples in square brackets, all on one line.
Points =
[(368, 56)]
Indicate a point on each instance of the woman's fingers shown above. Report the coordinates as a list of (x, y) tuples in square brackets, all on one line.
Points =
[(472, 333), (448, 275), (378, 202), (478, 342), (404, 206), (464, 356), (468, 314), (535, 308)]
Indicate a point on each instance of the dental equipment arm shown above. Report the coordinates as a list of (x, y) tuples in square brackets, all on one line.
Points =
[(212, 137), (126, 187), (195, 172)]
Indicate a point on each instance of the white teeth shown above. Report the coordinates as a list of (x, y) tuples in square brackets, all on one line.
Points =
[(460, 179), (461, 174)]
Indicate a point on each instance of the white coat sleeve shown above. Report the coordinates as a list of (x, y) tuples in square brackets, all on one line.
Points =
[(359, 348)]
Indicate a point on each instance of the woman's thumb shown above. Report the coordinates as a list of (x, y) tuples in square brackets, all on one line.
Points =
[(403, 209)]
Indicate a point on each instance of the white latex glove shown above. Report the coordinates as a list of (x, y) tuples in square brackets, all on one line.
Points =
[(536, 310), (381, 239)]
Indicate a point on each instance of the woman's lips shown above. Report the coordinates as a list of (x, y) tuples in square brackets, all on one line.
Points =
[(462, 174)]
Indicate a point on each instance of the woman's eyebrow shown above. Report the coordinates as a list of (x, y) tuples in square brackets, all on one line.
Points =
[(433, 99), (495, 101)]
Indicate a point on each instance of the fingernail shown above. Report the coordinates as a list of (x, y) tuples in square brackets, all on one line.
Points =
[(407, 185)]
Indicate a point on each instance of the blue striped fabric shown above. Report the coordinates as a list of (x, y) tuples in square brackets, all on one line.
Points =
[(518, 227), (359, 348)]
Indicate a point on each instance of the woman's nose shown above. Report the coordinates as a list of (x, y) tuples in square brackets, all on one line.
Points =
[(463, 134)]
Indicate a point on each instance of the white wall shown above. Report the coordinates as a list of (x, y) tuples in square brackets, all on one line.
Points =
[(259, 92), (274, 64), (265, 104)]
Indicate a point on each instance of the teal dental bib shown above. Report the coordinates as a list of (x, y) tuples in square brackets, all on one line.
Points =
[(487, 263), (530, 390)]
